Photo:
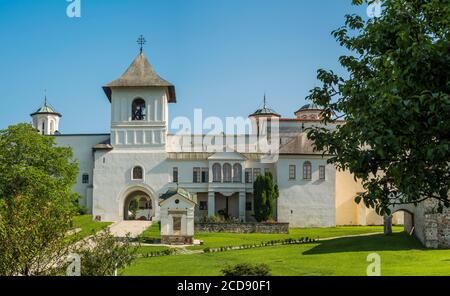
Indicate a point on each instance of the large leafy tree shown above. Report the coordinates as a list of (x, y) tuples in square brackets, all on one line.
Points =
[(396, 103), (265, 192), (37, 207), (36, 202)]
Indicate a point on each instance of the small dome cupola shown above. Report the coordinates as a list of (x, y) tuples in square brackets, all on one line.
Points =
[(309, 112), (265, 111), (46, 119), (262, 119)]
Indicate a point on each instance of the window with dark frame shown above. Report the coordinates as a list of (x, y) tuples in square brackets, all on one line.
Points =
[(196, 177), (205, 175), (85, 179), (292, 172), (175, 175), (322, 172), (217, 173), (237, 173), (248, 176), (227, 173), (138, 173), (307, 168)]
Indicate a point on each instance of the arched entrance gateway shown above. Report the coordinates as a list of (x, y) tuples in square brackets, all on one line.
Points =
[(138, 205), (407, 219)]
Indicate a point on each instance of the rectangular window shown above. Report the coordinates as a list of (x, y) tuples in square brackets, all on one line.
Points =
[(322, 172), (205, 175), (175, 175), (307, 168), (292, 172), (203, 206), (256, 173), (248, 206), (176, 225), (196, 177), (248, 176), (85, 179)]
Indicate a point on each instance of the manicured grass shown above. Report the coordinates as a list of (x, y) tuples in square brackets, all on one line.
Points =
[(152, 233), (88, 225), (214, 240), (400, 255)]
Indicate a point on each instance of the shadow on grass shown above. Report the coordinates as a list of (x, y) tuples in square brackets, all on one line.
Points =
[(380, 242)]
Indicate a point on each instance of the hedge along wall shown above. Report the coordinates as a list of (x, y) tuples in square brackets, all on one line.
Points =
[(243, 227)]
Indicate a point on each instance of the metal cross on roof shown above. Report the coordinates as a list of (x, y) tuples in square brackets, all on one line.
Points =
[(141, 41), (45, 97)]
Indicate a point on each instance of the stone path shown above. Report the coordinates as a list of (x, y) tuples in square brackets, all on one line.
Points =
[(134, 228)]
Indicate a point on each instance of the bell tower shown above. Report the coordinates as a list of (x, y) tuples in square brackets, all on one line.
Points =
[(139, 106), (46, 119)]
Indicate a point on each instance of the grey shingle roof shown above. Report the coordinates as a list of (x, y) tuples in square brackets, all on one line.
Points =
[(183, 192), (141, 74)]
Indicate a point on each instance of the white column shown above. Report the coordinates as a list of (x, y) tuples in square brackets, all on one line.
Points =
[(242, 199), (211, 204)]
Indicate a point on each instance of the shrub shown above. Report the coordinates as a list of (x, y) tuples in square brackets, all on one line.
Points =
[(246, 269)]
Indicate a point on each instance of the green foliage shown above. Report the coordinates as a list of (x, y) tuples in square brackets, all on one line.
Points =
[(106, 255), (209, 219), (246, 269), (133, 207), (396, 102), (36, 202), (87, 226), (265, 193)]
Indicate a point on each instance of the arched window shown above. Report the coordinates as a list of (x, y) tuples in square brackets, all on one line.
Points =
[(138, 111), (217, 172), (307, 170), (138, 173), (52, 127), (227, 173), (43, 128), (237, 173)]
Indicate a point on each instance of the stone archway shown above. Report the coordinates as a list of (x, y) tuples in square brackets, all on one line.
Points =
[(408, 220), (138, 205)]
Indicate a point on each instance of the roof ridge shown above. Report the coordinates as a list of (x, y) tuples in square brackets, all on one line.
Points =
[(140, 73)]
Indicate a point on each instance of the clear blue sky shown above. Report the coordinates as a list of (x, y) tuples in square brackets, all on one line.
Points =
[(222, 55)]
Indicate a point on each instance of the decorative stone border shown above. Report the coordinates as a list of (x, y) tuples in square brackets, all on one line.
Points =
[(243, 227)]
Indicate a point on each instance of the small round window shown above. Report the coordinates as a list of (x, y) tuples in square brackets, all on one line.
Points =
[(177, 201)]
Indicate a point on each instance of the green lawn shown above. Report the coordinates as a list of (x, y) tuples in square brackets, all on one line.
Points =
[(400, 255), (88, 225), (152, 233), (214, 240)]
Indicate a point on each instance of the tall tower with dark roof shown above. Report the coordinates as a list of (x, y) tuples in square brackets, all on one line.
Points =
[(139, 107)]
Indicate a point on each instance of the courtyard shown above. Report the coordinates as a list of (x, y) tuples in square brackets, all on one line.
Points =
[(337, 251)]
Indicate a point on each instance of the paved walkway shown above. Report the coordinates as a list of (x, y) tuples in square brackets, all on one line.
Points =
[(134, 228)]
